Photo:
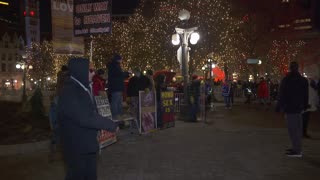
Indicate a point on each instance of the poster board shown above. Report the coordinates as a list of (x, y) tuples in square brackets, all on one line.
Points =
[(167, 108), (64, 42), (105, 138), (147, 112), (92, 17)]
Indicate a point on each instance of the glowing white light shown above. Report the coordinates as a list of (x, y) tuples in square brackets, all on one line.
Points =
[(22, 67), (194, 38), (48, 78), (31, 79), (30, 67), (15, 81), (175, 39), (213, 65), (18, 66), (259, 62)]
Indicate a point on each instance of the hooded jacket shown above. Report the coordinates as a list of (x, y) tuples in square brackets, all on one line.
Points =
[(77, 115), (115, 77)]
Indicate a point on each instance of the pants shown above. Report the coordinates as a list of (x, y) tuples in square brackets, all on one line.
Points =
[(134, 108), (227, 101), (116, 103), (305, 117), (81, 167), (294, 123), (195, 109), (248, 100)]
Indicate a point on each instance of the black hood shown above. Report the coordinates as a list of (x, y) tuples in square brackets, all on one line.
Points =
[(79, 69)]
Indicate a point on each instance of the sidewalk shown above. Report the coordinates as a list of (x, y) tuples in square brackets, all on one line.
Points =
[(242, 143)]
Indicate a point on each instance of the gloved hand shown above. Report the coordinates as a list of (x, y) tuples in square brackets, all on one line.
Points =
[(147, 90), (192, 100)]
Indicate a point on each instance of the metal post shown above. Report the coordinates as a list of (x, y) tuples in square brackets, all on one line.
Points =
[(24, 94), (91, 47), (185, 66)]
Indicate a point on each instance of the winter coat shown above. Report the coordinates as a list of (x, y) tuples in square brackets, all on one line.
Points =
[(60, 81), (137, 84), (78, 119), (115, 77), (293, 94), (98, 84), (226, 90), (263, 90)]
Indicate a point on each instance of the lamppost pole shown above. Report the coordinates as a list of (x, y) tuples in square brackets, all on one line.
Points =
[(24, 93)]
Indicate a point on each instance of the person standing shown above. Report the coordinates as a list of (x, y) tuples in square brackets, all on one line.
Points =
[(80, 122), (263, 92), (116, 85), (98, 83), (312, 106), (194, 93), (149, 75), (293, 100)]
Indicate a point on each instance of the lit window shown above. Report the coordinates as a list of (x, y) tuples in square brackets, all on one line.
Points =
[(285, 1)]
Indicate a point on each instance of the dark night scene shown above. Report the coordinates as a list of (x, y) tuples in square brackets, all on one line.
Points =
[(159, 89)]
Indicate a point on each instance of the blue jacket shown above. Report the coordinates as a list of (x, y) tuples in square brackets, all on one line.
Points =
[(293, 95), (77, 115), (115, 77)]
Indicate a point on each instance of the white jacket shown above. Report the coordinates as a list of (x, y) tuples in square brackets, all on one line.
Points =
[(313, 98)]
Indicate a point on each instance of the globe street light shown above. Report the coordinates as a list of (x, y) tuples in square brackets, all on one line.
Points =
[(182, 37), (25, 68)]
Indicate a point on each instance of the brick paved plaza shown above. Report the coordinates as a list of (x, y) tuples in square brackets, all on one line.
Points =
[(243, 143)]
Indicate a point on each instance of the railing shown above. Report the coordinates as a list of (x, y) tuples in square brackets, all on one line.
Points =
[(178, 100)]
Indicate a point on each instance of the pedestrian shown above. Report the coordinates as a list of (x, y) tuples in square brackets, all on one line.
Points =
[(138, 82), (263, 92), (116, 85), (312, 106), (80, 122), (98, 83), (226, 88), (293, 100), (61, 76), (194, 97), (247, 92), (160, 86), (149, 75)]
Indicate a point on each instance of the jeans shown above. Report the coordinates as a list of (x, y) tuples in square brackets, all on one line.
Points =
[(294, 122), (116, 103), (227, 101)]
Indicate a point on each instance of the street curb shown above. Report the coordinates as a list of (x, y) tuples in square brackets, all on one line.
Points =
[(15, 149)]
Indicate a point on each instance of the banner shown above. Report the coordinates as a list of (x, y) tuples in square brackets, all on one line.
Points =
[(167, 108), (63, 39), (106, 138), (92, 17), (147, 112)]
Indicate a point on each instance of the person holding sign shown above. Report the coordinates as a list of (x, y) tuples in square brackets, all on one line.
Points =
[(80, 122)]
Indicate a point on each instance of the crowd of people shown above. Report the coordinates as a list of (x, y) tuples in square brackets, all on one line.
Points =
[(78, 121)]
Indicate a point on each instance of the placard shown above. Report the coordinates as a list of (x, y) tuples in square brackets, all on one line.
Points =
[(105, 138), (147, 112), (63, 39), (92, 17), (167, 108)]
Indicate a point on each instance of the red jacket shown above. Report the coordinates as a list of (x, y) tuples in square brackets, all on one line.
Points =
[(98, 85), (263, 91)]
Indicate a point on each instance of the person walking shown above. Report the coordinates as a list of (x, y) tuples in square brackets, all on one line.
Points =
[(80, 122), (312, 106), (263, 92), (293, 100), (226, 88), (116, 85)]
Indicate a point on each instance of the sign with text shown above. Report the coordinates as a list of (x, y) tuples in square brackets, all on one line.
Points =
[(105, 138), (63, 39), (147, 114), (167, 108), (92, 17)]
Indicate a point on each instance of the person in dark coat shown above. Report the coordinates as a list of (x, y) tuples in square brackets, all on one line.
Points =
[(293, 100), (116, 85), (194, 97), (61, 76), (79, 123)]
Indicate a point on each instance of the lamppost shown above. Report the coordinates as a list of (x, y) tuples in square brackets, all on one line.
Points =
[(181, 37), (25, 67)]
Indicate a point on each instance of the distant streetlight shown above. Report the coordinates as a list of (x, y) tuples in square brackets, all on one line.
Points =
[(25, 67)]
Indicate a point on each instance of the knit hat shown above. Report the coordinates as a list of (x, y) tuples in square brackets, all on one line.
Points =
[(116, 57)]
